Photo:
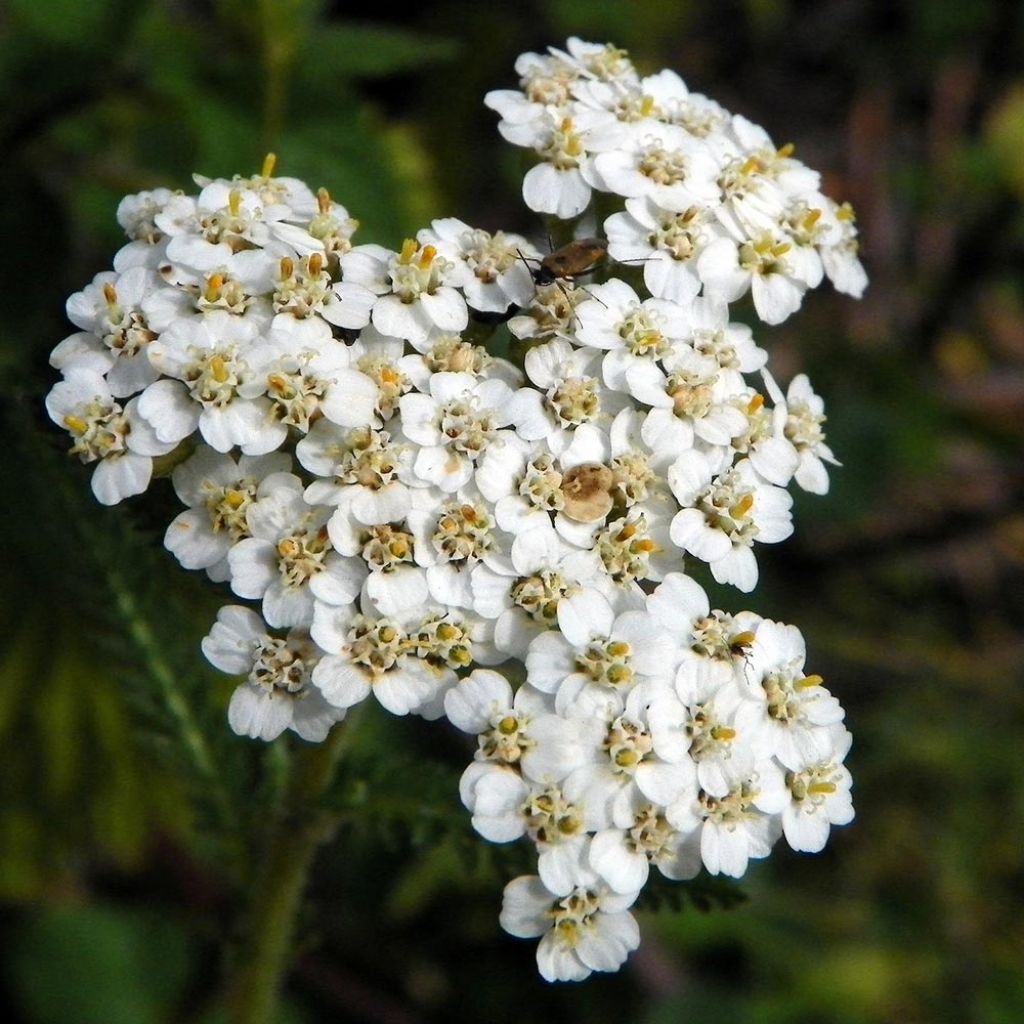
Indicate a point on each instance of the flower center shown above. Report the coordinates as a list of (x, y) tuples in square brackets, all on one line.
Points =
[(463, 534), (99, 431), (279, 667), (301, 556), (625, 548), (575, 401), (550, 819), (539, 595)]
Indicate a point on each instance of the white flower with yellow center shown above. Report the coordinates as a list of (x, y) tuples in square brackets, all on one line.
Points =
[(114, 312), (278, 692), (218, 492), (307, 374), (732, 829), (723, 516), (802, 414), (666, 243), (624, 766), (209, 361), (421, 297), (119, 440), (763, 262), (665, 164), (289, 559), (840, 256), (623, 856), (558, 184), (586, 929), (819, 797), (370, 654), (545, 571), (363, 471), (454, 426), (491, 270), (789, 707), (518, 731), (597, 658)]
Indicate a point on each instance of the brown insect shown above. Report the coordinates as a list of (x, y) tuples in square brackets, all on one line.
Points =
[(578, 257), (587, 490)]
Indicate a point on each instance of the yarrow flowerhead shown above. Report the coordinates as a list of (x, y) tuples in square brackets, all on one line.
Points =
[(405, 510)]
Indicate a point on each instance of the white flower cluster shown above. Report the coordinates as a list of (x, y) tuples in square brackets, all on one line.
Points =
[(710, 201), (403, 507)]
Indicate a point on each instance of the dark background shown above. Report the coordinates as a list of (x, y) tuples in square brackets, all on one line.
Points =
[(121, 864)]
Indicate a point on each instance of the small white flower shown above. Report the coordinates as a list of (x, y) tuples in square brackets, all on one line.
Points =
[(422, 297), (802, 413), (791, 708), (278, 693), (587, 929), (289, 560), (819, 798), (743, 824), (370, 654), (117, 439), (209, 358), (218, 491), (491, 270), (723, 516)]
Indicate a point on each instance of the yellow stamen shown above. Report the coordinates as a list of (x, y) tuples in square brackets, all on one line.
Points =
[(821, 788), (618, 649), (721, 732), (427, 257), (218, 369), (787, 150), (647, 106), (807, 682), (812, 218), (508, 725), (214, 284), (752, 164), (269, 162), (110, 294), (845, 212), (409, 249), (234, 499), (742, 507), (323, 200), (234, 202), (755, 404), (287, 268), (76, 424), (315, 264)]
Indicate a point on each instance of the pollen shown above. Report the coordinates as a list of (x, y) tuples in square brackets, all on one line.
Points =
[(76, 424), (269, 162)]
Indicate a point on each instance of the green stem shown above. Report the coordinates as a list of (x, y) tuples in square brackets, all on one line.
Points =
[(174, 699), (296, 833)]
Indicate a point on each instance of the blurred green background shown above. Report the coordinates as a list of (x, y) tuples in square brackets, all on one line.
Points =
[(121, 861)]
